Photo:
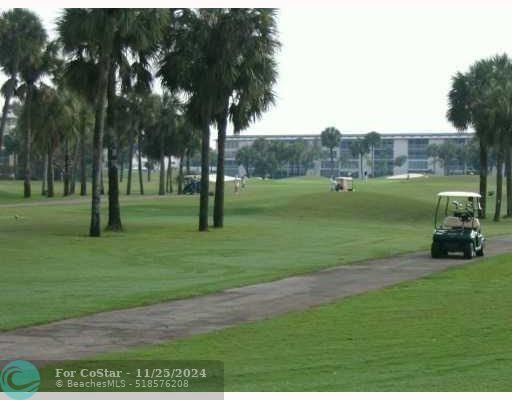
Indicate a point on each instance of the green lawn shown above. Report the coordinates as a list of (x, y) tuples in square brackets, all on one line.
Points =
[(51, 270), (447, 332)]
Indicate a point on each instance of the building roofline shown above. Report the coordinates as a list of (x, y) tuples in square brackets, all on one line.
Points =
[(350, 135)]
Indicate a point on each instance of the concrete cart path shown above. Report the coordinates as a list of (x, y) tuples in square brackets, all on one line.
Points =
[(118, 330)]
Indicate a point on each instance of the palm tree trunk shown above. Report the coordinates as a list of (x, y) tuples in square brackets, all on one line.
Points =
[(74, 165), (170, 188), (83, 172), (66, 167), (499, 183), (14, 165), (27, 189), (161, 184), (218, 205), (331, 154), (205, 184), (114, 207), (102, 184), (51, 174), (130, 163), (139, 155), (483, 178), (508, 173), (99, 127), (5, 110), (121, 167), (44, 191), (180, 175)]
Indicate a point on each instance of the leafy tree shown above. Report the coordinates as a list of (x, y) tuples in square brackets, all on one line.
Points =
[(331, 138), (246, 157), (433, 152), (359, 148), (12, 147), (400, 161), (446, 152)]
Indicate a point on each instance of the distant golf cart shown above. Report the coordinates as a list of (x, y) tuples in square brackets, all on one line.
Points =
[(192, 184), (344, 184), (457, 228)]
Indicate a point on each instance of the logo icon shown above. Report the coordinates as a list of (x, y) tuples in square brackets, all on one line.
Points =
[(20, 379)]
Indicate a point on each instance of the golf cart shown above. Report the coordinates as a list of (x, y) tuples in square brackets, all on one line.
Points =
[(344, 184), (457, 228), (192, 184)]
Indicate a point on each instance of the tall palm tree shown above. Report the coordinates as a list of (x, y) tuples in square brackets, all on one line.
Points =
[(166, 132), (331, 138), (98, 42), (467, 107), (192, 63), (21, 36), (359, 148), (498, 98), (372, 139), (138, 38), (249, 44), (34, 68), (88, 35)]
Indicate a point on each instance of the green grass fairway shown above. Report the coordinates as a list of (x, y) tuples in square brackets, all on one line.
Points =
[(447, 332), (51, 270)]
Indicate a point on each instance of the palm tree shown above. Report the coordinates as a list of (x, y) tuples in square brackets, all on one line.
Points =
[(12, 147), (166, 130), (21, 36), (358, 148), (47, 118), (192, 63), (39, 64), (88, 35), (372, 139), (98, 41), (248, 78), (467, 108), (331, 138), (498, 98)]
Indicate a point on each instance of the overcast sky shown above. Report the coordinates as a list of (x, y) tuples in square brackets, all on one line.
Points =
[(374, 67)]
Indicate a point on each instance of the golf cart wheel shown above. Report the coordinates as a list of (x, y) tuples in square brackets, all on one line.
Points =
[(469, 251), (480, 253), (435, 250)]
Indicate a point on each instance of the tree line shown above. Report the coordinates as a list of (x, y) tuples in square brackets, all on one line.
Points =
[(481, 98), (91, 90), (277, 159)]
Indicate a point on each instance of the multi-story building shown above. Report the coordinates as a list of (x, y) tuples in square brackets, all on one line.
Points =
[(392, 145)]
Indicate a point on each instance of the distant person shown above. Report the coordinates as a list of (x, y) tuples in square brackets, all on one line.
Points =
[(365, 176), (237, 185), (244, 181), (334, 184)]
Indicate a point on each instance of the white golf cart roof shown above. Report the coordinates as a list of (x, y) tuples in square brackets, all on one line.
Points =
[(459, 194), (347, 178)]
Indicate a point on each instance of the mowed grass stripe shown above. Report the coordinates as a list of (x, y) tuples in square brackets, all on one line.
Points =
[(51, 270)]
